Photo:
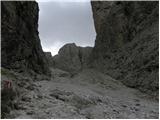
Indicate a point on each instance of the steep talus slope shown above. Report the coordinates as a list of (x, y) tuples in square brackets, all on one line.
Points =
[(21, 48), (72, 58), (126, 45), (84, 97)]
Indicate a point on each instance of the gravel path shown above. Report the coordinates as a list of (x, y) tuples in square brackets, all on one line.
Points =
[(84, 97)]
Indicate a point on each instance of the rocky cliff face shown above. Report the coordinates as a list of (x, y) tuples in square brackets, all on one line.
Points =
[(21, 48), (126, 45), (49, 58), (72, 58)]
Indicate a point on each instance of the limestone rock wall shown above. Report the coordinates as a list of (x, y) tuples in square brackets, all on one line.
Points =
[(72, 58), (126, 45), (49, 59), (20, 43)]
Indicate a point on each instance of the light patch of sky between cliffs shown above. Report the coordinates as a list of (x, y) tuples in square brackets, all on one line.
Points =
[(63, 0), (65, 22)]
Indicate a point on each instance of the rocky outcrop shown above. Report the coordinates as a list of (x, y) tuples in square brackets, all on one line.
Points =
[(72, 58), (49, 58), (126, 45), (21, 48)]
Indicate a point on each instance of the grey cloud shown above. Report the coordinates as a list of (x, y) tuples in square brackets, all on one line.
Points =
[(65, 22)]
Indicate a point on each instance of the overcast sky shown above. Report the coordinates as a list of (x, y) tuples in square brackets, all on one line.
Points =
[(65, 22)]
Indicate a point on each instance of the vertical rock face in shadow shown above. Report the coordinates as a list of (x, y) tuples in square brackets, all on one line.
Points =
[(126, 45), (49, 59), (72, 58), (21, 48)]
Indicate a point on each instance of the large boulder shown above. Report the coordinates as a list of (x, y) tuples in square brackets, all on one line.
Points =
[(126, 45), (20, 43)]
